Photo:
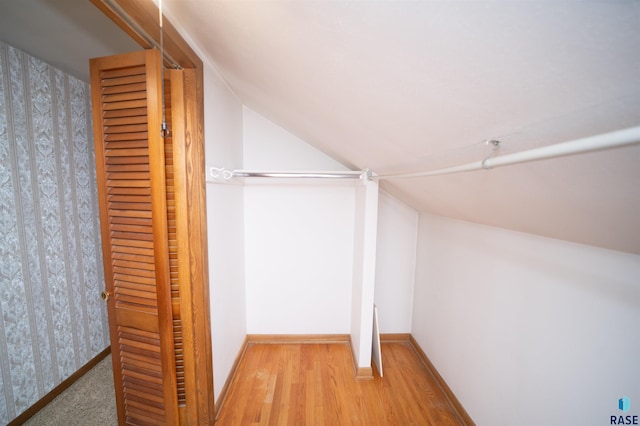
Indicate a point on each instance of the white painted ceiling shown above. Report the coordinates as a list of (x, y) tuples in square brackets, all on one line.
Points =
[(411, 85), (64, 33)]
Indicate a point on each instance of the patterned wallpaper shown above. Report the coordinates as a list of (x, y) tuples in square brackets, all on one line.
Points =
[(52, 320)]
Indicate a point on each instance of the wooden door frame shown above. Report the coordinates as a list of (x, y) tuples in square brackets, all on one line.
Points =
[(141, 23)]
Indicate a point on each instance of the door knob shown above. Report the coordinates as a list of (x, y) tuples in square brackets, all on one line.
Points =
[(105, 295)]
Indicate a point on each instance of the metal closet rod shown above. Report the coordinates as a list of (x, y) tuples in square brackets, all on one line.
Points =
[(304, 175), (619, 138)]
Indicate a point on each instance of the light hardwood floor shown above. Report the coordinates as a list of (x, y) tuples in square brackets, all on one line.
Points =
[(314, 384)]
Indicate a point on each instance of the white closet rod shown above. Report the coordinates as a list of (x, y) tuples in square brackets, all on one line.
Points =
[(309, 175), (284, 174), (216, 174), (610, 140)]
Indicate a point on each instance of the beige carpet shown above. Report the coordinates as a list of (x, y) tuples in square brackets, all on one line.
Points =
[(89, 401)]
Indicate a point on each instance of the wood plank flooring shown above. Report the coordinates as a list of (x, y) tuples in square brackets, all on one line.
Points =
[(314, 384)]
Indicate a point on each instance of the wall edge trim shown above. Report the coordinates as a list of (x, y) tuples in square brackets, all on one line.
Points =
[(53, 393), (462, 414), (230, 377), (395, 337), (279, 339), (361, 373)]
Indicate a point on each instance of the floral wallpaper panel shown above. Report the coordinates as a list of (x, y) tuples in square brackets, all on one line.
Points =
[(52, 320)]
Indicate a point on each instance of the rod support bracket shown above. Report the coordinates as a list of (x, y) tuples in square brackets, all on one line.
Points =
[(496, 146)]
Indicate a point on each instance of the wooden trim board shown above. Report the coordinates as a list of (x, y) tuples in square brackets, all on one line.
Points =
[(395, 337), (360, 372), (364, 373), (282, 339), (42, 402), (448, 393), (144, 15), (232, 375)]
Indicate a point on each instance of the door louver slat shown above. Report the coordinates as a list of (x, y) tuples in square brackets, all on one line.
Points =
[(130, 163), (173, 252)]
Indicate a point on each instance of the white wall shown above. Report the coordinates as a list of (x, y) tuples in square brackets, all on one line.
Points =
[(396, 264), (268, 146), (225, 208), (225, 224), (298, 237), (299, 245), (527, 330), (281, 218)]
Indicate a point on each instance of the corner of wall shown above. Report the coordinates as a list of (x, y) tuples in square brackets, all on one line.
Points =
[(526, 314), (225, 221)]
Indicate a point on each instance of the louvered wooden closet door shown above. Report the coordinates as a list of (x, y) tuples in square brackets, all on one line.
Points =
[(131, 174)]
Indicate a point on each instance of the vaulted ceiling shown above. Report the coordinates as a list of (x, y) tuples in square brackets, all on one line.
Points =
[(408, 85), (404, 85), (64, 33)]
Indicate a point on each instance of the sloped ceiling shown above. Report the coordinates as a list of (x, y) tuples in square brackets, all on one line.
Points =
[(399, 86), (64, 33), (404, 86)]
